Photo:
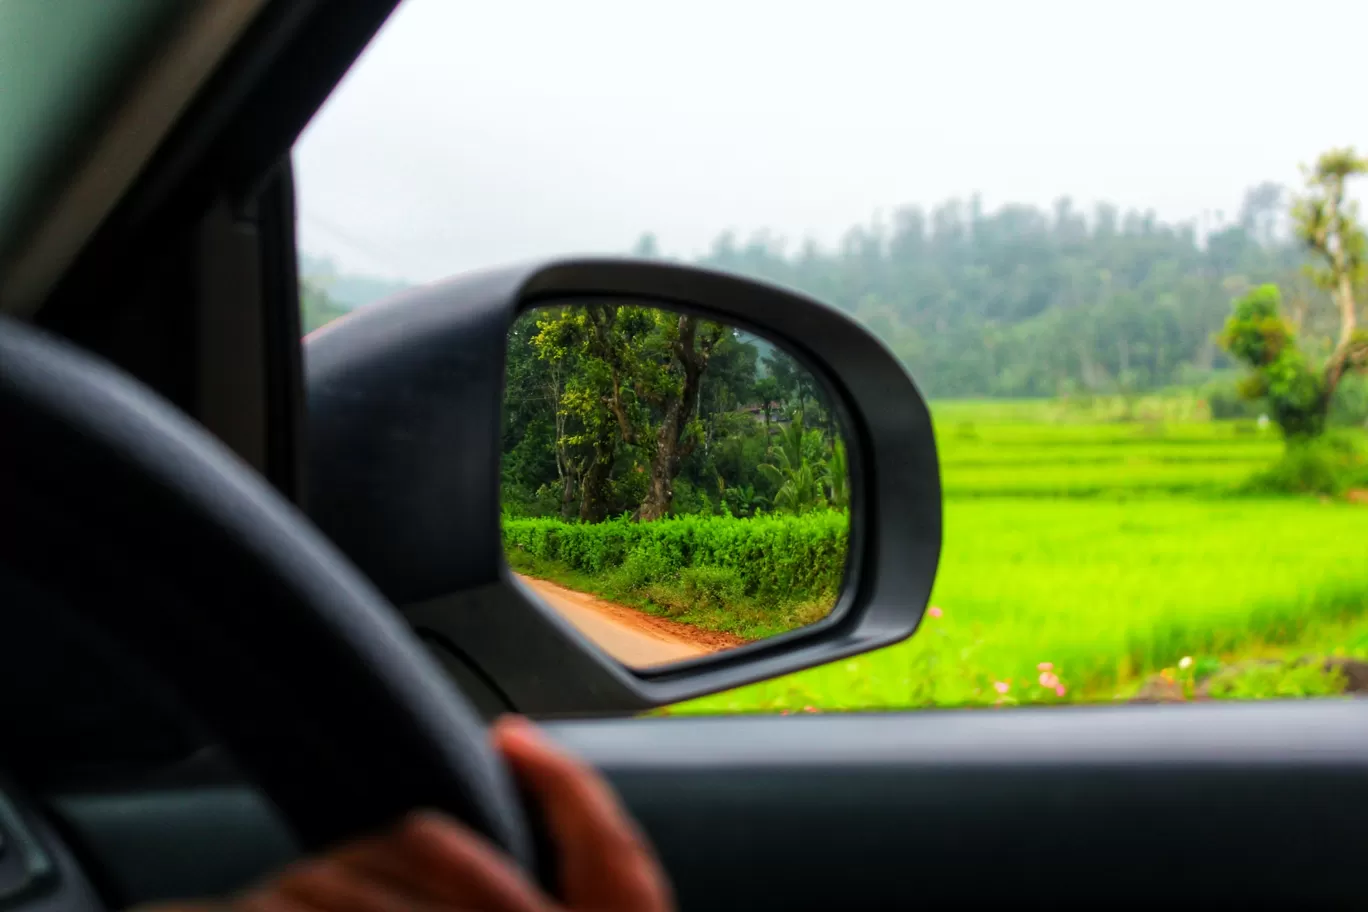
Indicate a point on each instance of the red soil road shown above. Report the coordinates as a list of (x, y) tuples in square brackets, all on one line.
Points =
[(630, 636)]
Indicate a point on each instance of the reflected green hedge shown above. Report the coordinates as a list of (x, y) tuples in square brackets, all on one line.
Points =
[(768, 558)]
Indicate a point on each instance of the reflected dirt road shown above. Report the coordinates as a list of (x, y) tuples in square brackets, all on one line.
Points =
[(629, 636)]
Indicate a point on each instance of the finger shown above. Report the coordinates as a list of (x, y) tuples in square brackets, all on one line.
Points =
[(603, 857), (435, 859)]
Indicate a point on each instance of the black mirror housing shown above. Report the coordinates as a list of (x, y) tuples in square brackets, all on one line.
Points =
[(403, 427)]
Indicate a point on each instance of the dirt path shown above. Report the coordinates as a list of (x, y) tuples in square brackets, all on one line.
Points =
[(630, 636)]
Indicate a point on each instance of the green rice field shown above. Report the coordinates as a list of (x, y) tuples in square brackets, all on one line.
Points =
[(1084, 554)]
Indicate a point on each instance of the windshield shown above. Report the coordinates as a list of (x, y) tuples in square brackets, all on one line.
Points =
[(1117, 247)]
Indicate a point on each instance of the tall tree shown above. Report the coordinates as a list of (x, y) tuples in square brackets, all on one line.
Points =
[(673, 392), (1326, 221), (1261, 335), (584, 344), (638, 383)]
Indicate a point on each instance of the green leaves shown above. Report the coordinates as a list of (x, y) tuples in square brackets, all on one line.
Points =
[(778, 558), (1257, 334), (837, 477), (798, 481), (632, 387)]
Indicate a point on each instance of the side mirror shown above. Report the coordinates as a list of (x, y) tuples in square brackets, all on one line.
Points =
[(410, 413)]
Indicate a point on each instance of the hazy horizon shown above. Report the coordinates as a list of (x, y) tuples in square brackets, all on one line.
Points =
[(470, 135)]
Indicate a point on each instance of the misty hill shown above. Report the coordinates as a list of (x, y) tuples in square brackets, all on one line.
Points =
[(1026, 302), (346, 290)]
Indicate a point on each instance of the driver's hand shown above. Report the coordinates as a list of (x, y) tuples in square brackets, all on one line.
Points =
[(429, 863)]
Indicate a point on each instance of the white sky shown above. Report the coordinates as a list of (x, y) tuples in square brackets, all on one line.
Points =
[(472, 134)]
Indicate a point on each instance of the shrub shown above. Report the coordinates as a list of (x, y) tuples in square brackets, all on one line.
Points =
[(712, 586), (640, 569), (1349, 406), (771, 558), (1273, 680), (1226, 402), (1328, 465)]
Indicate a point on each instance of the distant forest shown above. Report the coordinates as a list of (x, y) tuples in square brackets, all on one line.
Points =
[(1025, 302)]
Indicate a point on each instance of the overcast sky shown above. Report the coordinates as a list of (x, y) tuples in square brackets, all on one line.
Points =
[(476, 133)]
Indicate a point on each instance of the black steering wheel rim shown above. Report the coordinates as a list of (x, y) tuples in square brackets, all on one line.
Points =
[(151, 529)]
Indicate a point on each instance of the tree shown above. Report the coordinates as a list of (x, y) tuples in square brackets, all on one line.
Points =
[(1326, 221), (536, 437), (673, 391), (1260, 211), (798, 483), (637, 382), (585, 344), (769, 396), (647, 247), (1259, 334), (837, 476)]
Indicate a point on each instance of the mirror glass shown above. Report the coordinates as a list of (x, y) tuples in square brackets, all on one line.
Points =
[(672, 486)]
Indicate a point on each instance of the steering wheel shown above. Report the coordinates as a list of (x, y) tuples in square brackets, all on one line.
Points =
[(154, 532)]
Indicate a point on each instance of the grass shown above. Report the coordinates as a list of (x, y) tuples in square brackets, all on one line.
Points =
[(1092, 553), (1107, 593), (1095, 553), (1029, 450), (748, 618)]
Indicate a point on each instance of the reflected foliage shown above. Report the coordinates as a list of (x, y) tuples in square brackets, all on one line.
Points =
[(622, 410)]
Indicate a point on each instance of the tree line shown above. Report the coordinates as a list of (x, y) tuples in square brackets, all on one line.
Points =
[(1026, 302), (1031, 302), (617, 409)]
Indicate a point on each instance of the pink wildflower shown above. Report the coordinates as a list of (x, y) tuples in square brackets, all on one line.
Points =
[(1001, 686), (809, 709), (1061, 690), (934, 611), (1048, 679), (1045, 666)]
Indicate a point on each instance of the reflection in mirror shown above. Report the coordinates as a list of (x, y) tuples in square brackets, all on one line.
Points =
[(672, 486)]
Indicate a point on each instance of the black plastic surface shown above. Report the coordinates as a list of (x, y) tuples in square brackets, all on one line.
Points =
[(50, 877), (178, 843), (1227, 805), (1224, 804), (404, 412)]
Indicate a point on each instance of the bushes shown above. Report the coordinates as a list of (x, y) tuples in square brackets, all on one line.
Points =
[(1349, 406), (775, 559), (715, 587), (1226, 402), (1329, 465)]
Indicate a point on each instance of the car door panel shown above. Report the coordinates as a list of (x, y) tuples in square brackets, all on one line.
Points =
[(1225, 802)]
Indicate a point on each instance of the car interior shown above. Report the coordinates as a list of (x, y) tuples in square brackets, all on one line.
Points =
[(232, 629)]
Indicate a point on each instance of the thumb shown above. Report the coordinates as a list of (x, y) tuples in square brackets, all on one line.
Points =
[(606, 864)]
